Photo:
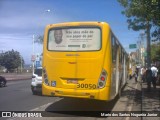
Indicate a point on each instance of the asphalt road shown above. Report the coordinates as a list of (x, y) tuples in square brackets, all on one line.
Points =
[(17, 96)]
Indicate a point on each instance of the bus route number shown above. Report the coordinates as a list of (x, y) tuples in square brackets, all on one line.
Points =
[(90, 86)]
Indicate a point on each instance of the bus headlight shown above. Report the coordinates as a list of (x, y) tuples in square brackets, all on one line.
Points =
[(102, 79), (45, 77)]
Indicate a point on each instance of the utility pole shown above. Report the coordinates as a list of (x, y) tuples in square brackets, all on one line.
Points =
[(142, 48), (33, 58), (21, 64), (138, 51), (148, 45), (33, 55)]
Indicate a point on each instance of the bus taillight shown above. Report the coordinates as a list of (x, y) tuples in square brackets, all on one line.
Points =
[(45, 76), (102, 79)]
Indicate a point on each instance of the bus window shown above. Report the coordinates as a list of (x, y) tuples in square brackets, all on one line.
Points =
[(113, 49), (74, 39)]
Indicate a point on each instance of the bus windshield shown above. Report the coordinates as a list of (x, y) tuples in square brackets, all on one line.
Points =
[(74, 39)]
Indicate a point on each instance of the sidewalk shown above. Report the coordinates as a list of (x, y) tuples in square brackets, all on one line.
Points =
[(150, 101), (129, 102), (16, 76), (136, 99)]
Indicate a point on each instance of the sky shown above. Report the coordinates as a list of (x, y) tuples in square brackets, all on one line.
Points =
[(21, 19)]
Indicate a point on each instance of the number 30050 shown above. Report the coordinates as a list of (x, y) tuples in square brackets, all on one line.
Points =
[(89, 86)]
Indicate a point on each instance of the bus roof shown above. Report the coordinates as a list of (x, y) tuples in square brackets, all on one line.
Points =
[(77, 23)]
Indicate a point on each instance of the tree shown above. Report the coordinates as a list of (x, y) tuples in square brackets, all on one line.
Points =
[(39, 39), (156, 19), (155, 52), (11, 60), (142, 15)]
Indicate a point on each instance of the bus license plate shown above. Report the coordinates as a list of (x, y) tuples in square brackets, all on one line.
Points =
[(72, 81)]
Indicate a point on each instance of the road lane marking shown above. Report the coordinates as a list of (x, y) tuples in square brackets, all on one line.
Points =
[(40, 108), (43, 107)]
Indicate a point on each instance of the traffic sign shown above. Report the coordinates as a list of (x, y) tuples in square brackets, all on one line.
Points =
[(131, 46), (38, 64), (33, 58)]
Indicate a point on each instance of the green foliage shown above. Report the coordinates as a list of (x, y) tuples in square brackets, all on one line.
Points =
[(11, 60), (142, 13), (155, 52), (156, 34)]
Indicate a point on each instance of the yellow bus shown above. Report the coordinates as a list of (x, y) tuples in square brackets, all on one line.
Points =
[(83, 60)]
